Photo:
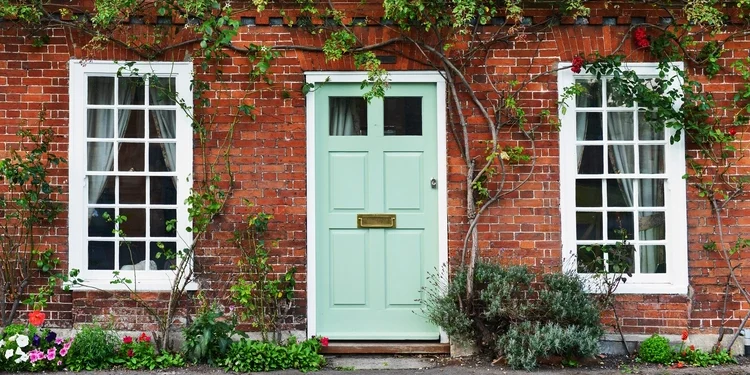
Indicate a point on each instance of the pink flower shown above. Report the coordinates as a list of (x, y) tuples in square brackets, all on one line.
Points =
[(127, 339), (59, 363), (58, 341), (35, 355), (51, 353), (324, 341), (63, 351), (130, 353)]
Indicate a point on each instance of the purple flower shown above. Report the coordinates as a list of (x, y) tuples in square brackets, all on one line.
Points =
[(36, 340), (51, 336)]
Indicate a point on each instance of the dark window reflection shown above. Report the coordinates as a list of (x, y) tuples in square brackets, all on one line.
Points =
[(403, 116)]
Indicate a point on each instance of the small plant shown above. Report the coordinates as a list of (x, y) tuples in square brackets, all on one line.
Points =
[(264, 299), (252, 356), (209, 336), (656, 349), (94, 348), (139, 354)]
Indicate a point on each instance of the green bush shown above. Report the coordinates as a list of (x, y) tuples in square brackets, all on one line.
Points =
[(208, 337), (94, 348), (253, 356), (512, 315), (656, 349)]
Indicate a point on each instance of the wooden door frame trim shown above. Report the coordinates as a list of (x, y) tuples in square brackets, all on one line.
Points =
[(317, 78)]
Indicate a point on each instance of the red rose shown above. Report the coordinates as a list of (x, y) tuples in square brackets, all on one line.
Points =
[(732, 131), (127, 339), (640, 37), (324, 341), (577, 64), (130, 353), (36, 318), (684, 334), (144, 338)]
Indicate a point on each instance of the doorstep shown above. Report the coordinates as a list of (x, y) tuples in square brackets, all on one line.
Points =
[(386, 347)]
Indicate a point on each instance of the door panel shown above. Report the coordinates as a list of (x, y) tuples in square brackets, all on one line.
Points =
[(375, 158)]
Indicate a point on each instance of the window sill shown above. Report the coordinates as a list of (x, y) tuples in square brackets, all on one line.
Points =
[(140, 286)]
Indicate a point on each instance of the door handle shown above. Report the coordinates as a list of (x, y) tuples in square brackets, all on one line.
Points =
[(433, 183)]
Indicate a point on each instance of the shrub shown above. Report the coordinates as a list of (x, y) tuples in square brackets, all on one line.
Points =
[(656, 349), (208, 337), (253, 356), (509, 314), (94, 348)]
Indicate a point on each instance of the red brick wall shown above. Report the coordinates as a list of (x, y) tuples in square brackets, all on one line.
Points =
[(268, 159)]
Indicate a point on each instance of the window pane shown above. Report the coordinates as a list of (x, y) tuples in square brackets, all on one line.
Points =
[(161, 157), (651, 159), (590, 159), (592, 97), (163, 190), (101, 90), (162, 91), (159, 220), (402, 116), (132, 255), (620, 226), (163, 255), (620, 193), (651, 193), (653, 259), (620, 126), (101, 255), (135, 225), (99, 156), (588, 126), (588, 193), (101, 189), (649, 130), (348, 116), (589, 226), (590, 259), (651, 225), (162, 124), (131, 91), (99, 224), (133, 190), (617, 97), (101, 123), (621, 159), (130, 157), (621, 259), (130, 123)]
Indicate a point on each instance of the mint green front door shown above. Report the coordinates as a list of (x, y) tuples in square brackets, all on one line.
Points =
[(375, 158)]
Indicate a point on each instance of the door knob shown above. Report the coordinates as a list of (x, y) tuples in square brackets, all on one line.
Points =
[(433, 183)]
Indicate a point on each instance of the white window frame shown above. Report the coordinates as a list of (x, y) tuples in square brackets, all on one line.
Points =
[(675, 280), (78, 194)]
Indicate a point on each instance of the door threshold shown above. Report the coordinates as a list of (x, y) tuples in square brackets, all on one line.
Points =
[(386, 347)]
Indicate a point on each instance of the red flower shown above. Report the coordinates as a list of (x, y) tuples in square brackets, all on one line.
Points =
[(36, 318), (144, 338), (578, 62), (127, 339), (324, 341), (640, 37), (692, 348), (684, 334), (732, 131), (679, 365), (130, 353)]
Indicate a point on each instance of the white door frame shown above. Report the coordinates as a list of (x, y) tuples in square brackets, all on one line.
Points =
[(317, 78)]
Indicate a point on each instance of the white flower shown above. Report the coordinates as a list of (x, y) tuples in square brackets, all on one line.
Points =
[(19, 351), (13, 338), (8, 353), (22, 341), (2, 343), (22, 358)]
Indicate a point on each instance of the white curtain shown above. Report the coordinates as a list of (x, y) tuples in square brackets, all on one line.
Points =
[(166, 129), (652, 225), (101, 154), (621, 156), (344, 116)]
